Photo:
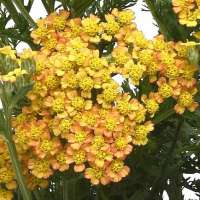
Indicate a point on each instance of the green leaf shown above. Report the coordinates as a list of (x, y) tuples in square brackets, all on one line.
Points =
[(2, 122), (79, 7), (25, 13), (20, 95)]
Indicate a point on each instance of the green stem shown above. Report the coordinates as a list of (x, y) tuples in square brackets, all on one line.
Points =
[(7, 135), (51, 4), (37, 194), (65, 189), (25, 13), (17, 167)]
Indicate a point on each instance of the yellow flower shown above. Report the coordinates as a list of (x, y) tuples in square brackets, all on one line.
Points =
[(98, 142), (51, 81), (172, 71), (85, 82), (6, 175), (50, 42), (79, 157), (124, 17), (75, 26), (137, 38), (188, 12), (69, 80), (165, 90), (109, 94), (117, 170), (150, 104), (78, 103), (96, 63), (121, 55), (141, 133), (61, 63), (125, 105), (57, 20), (8, 51), (145, 56), (111, 26), (135, 71), (185, 99), (40, 168), (91, 25), (96, 175)]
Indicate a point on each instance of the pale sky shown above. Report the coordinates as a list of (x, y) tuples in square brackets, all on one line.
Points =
[(144, 22)]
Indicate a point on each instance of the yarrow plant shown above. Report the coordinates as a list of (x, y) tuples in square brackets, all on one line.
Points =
[(76, 114)]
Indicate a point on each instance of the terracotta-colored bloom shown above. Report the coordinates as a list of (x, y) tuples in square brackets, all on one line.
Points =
[(121, 146), (79, 136), (117, 170), (78, 157), (100, 157), (186, 100), (60, 162), (37, 129), (40, 168), (61, 126), (96, 175), (112, 122), (46, 147)]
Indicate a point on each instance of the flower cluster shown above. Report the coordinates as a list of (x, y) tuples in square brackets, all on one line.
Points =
[(188, 11), (78, 115)]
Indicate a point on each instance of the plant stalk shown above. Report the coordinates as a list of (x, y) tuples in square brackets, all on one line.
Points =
[(12, 11), (7, 135), (16, 165), (25, 13)]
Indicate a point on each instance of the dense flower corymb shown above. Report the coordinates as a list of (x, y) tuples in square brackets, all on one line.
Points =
[(78, 115)]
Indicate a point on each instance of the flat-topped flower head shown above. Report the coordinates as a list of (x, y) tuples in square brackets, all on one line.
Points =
[(78, 114)]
